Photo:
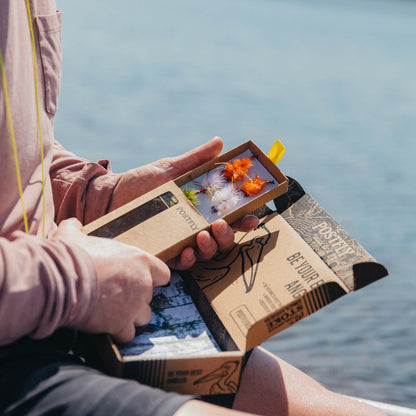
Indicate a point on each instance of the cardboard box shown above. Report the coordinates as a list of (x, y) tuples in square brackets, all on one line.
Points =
[(164, 221), (297, 261)]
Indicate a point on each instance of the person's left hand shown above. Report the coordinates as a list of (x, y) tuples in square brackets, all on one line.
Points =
[(137, 182)]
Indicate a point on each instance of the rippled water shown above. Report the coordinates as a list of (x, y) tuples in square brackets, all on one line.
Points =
[(334, 80)]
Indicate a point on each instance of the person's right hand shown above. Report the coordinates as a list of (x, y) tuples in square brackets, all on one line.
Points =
[(126, 278)]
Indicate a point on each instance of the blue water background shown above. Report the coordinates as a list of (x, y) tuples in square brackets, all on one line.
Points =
[(334, 80)]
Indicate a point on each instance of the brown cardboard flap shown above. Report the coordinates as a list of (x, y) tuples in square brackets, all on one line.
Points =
[(293, 312), (161, 230), (218, 374), (266, 270), (187, 374), (341, 252)]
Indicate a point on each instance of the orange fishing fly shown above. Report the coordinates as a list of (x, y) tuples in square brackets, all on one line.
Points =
[(237, 170), (254, 186)]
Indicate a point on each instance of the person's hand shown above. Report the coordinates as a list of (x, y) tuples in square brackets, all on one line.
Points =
[(137, 182), (208, 244), (126, 278)]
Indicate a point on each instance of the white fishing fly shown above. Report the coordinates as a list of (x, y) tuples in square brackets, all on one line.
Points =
[(225, 199), (212, 182)]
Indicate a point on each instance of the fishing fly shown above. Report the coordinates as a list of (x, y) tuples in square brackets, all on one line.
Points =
[(223, 188), (254, 186), (237, 170), (225, 199)]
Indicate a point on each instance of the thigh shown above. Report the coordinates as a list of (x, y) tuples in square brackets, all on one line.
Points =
[(60, 384), (270, 386)]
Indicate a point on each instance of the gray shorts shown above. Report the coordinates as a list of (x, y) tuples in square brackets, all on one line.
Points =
[(44, 378)]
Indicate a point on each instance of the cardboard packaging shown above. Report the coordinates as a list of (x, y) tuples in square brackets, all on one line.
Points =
[(164, 221), (297, 261)]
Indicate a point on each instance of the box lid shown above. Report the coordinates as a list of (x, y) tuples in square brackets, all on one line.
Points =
[(283, 271)]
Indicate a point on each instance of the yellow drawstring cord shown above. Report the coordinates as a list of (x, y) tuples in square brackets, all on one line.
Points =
[(35, 69), (10, 121), (11, 128)]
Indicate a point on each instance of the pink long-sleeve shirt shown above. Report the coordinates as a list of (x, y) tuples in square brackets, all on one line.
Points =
[(44, 282)]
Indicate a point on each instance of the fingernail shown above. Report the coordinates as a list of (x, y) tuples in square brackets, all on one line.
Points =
[(206, 240), (222, 228), (190, 257), (254, 221)]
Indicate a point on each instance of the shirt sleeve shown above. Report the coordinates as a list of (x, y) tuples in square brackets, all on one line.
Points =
[(81, 188), (44, 284)]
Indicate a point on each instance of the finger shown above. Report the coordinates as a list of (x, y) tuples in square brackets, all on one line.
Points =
[(207, 246), (144, 316), (223, 234), (148, 297), (176, 166), (247, 223), (68, 226), (184, 261), (159, 271), (71, 222), (125, 335)]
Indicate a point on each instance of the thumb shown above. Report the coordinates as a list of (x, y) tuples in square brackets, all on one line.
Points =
[(136, 182), (68, 226), (179, 165)]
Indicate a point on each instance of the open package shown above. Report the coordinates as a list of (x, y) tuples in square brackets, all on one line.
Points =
[(298, 260), (167, 219)]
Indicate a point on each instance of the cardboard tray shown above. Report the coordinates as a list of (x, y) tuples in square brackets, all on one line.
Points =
[(297, 261), (164, 221)]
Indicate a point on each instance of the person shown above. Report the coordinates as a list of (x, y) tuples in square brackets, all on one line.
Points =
[(56, 281)]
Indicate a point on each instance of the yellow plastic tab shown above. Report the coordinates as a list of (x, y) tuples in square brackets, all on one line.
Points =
[(276, 152)]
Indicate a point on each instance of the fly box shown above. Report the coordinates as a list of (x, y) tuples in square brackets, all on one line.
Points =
[(298, 260), (166, 220)]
